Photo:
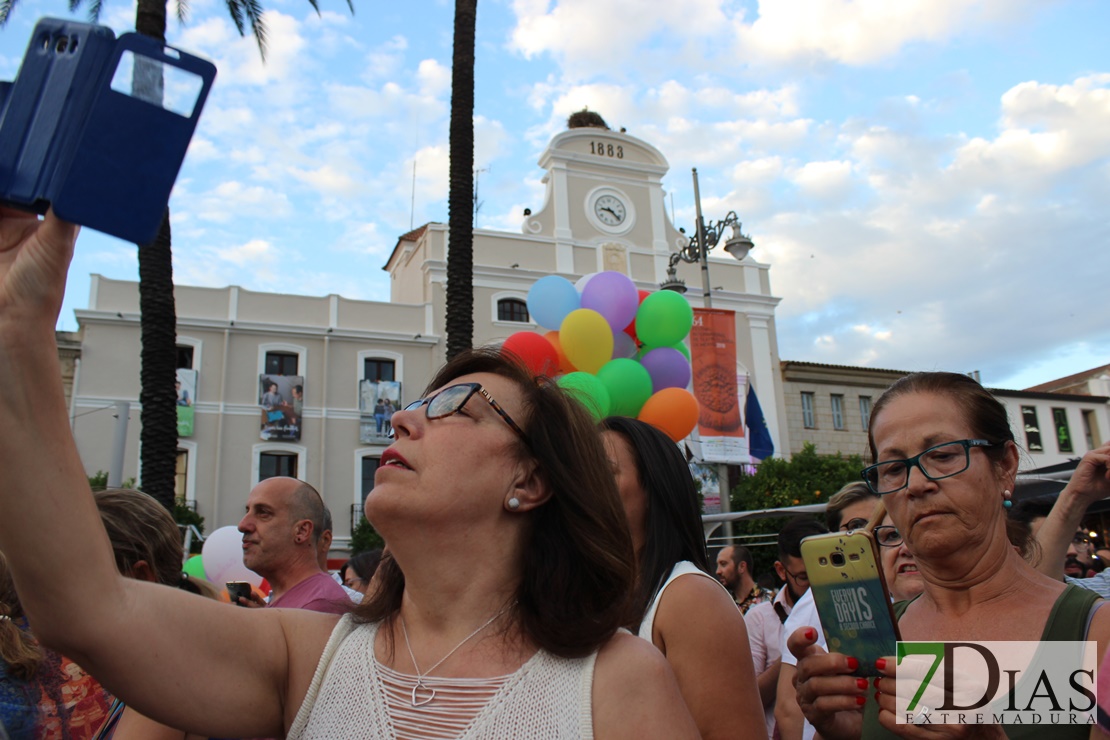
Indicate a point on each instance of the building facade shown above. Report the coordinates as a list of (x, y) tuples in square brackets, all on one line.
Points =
[(829, 406), (302, 386)]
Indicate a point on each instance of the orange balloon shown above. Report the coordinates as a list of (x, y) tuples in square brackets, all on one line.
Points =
[(673, 411), (564, 364)]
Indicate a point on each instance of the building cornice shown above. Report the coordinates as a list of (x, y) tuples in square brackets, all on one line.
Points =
[(85, 316)]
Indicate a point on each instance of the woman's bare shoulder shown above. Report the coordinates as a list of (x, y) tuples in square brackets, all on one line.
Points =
[(635, 693)]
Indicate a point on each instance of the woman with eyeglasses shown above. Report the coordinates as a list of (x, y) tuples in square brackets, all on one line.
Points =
[(498, 612), (946, 463), (678, 606)]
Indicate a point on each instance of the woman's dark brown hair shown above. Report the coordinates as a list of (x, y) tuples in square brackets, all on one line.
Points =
[(983, 412), (577, 572)]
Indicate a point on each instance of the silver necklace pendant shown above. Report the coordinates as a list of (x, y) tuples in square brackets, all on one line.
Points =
[(420, 685)]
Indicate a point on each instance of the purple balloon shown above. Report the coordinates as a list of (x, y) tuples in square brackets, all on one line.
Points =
[(614, 296), (667, 367)]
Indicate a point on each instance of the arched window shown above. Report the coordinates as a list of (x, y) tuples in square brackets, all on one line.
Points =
[(512, 309)]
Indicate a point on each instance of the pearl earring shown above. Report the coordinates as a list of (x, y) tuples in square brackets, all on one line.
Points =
[(1006, 502), (514, 503)]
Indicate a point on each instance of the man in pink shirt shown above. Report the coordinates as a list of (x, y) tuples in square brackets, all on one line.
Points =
[(281, 534)]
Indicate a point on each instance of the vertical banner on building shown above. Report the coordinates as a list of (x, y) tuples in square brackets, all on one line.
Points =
[(715, 381), (281, 398), (377, 400), (186, 397)]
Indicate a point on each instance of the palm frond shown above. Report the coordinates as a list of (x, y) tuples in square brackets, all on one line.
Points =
[(252, 10), (236, 14), (6, 7), (94, 8), (182, 11)]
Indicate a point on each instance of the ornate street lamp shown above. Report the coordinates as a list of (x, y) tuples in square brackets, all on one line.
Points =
[(697, 247), (697, 250)]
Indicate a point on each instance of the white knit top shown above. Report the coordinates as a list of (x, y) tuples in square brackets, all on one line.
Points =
[(681, 568), (353, 696)]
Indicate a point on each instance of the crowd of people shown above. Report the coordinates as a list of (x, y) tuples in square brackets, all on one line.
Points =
[(559, 588)]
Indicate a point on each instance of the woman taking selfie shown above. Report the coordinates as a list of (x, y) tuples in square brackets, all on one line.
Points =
[(497, 614), (946, 462), (678, 606)]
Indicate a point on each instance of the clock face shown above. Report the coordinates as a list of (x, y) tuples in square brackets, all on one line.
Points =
[(610, 210)]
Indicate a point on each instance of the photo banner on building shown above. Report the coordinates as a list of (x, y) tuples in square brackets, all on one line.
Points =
[(716, 384), (186, 398), (377, 400), (281, 398), (709, 485)]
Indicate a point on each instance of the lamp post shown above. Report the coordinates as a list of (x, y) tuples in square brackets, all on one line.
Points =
[(697, 250)]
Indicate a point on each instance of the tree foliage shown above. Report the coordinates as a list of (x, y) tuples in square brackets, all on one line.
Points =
[(365, 537), (807, 478)]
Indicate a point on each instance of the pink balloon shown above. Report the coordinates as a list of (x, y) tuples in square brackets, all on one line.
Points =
[(667, 367), (614, 296)]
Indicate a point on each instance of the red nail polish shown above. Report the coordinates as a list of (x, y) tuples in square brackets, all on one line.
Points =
[(877, 682), (811, 634), (880, 663), (861, 683), (860, 701), (877, 695), (853, 664)]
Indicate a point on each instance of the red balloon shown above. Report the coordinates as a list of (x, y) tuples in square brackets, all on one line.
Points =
[(534, 352), (630, 330)]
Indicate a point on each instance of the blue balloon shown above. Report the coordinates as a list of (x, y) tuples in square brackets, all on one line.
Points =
[(551, 299)]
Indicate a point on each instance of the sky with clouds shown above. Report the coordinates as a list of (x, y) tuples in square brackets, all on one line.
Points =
[(926, 177)]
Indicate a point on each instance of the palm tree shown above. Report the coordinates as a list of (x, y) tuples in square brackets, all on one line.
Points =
[(460, 199), (158, 438)]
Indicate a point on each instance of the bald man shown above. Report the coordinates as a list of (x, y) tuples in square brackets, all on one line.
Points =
[(281, 537)]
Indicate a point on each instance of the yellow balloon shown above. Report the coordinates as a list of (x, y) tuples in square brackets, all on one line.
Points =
[(586, 339)]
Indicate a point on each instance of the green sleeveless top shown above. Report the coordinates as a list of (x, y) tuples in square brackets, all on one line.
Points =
[(1068, 620)]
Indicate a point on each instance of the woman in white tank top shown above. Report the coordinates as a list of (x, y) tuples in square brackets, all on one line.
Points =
[(680, 608), (497, 616)]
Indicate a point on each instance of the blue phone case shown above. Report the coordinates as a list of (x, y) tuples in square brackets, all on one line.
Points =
[(101, 157)]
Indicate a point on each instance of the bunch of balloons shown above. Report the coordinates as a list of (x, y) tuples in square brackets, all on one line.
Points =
[(618, 349)]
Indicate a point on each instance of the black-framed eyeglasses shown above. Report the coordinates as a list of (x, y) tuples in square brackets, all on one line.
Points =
[(938, 462), (888, 536), (851, 524), (451, 400), (799, 578)]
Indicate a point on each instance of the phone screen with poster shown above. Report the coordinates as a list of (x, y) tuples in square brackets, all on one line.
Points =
[(851, 596)]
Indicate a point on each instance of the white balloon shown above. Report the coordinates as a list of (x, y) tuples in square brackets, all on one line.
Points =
[(222, 556), (581, 284)]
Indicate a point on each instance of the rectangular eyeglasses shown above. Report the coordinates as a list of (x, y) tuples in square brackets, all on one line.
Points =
[(451, 400), (938, 462)]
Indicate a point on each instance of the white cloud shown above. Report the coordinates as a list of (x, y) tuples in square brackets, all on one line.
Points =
[(823, 180), (858, 32)]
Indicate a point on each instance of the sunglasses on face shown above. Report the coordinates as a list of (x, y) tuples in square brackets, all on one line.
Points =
[(453, 398)]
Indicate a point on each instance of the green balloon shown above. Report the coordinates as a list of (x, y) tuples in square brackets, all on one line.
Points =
[(664, 319), (629, 386), (194, 567), (588, 390)]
